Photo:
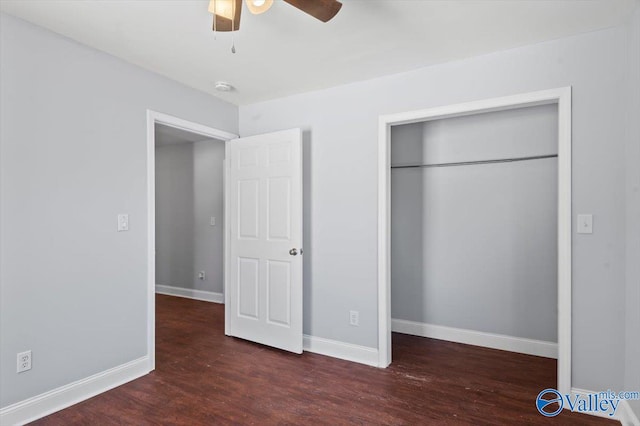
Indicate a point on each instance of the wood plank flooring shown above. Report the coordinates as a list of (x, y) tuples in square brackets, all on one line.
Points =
[(205, 378)]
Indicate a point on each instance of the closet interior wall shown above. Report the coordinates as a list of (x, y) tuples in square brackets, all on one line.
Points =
[(474, 246)]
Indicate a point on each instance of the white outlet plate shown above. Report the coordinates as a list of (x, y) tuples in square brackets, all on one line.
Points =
[(123, 222), (213, 221), (354, 318), (202, 275), (24, 361)]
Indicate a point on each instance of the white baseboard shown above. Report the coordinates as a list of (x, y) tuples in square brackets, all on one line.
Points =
[(57, 399), (341, 350), (477, 338), (575, 391), (207, 296), (626, 415)]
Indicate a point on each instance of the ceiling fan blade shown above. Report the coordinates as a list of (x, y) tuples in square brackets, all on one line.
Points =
[(323, 10), (231, 8)]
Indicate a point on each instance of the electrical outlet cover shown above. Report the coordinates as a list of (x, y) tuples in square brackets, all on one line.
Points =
[(24, 361), (354, 318)]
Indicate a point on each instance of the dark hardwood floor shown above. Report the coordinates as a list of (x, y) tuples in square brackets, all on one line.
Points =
[(205, 378)]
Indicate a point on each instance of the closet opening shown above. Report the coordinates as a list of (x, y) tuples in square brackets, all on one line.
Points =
[(475, 226)]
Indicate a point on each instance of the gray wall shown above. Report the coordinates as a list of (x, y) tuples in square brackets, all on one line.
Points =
[(342, 160), (475, 247), (175, 215), (208, 183), (73, 156), (632, 193), (189, 191)]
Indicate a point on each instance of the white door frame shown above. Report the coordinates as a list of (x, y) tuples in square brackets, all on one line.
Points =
[(154, 118), (561, 97)]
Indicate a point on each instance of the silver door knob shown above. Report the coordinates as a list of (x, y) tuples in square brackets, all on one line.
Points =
[(293, 252)]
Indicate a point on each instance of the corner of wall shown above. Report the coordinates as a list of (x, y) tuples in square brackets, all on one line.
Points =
[(632, 323)]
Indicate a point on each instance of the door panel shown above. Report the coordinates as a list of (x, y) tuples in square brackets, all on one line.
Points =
[(248, 287), (264, 280), (279, 292), (248, 202), (278, 209)]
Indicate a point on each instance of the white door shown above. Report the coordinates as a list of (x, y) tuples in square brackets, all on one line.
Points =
[(264, 230)]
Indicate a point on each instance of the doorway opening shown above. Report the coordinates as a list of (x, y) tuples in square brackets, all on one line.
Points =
[(189, 215), (185, 161), (559, 98)]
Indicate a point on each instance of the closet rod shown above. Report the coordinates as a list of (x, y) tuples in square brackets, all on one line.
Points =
[(468, 163)]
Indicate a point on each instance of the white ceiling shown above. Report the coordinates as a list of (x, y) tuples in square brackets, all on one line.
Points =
[(285, 51)]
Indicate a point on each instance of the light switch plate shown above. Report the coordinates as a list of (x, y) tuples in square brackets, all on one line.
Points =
[(213, 221), (585, 224), (123, 222)]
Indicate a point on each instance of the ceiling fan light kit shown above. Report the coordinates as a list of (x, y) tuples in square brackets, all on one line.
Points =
[(226, 13), (259, 6)]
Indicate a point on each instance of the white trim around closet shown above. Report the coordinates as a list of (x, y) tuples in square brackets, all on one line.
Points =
[(561, 97)]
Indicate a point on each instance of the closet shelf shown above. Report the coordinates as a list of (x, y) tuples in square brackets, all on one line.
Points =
[(470, 163)]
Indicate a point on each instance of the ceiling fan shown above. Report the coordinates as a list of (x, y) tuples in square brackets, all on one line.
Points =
[(226, 13)]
